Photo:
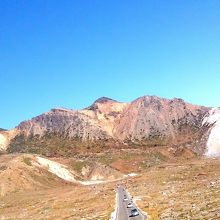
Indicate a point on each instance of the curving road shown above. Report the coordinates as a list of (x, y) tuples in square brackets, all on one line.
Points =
[(122, 212)]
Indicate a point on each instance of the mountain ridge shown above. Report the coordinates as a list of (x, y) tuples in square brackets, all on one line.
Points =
[(146, 121)]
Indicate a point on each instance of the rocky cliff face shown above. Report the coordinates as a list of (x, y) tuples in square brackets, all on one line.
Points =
[(149, 121), (65, 123)]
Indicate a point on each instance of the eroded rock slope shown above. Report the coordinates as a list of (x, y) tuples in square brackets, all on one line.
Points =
[(147, 121)]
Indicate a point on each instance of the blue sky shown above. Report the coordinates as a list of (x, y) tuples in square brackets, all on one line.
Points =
[(70, 52)]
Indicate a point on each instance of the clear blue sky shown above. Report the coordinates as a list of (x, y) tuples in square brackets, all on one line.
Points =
[(70, 52)]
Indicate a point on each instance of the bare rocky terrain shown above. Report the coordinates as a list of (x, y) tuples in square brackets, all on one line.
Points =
[(168, 184), (66, 164)]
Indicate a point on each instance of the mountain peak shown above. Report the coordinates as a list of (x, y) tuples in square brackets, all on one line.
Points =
[(104, 100), (177, 100), (101, 100)]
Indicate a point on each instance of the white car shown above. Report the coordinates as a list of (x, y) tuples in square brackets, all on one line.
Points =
[(129, 205)]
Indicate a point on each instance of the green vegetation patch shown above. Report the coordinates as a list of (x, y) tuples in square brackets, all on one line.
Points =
[(129, 155), (158, 156), (153, 158), (79, 164), (27, 161), (106, 159), (54, 145)]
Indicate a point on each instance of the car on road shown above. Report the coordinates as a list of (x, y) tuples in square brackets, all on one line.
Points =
[(130, 205), (134, 212), (125, 199)]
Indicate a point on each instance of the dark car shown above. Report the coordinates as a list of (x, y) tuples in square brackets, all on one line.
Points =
[(134, 212)]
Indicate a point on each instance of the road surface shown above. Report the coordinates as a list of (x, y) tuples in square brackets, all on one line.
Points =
[(122, 212)]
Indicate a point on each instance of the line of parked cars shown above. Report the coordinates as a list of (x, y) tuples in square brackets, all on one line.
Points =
[(134, 211)]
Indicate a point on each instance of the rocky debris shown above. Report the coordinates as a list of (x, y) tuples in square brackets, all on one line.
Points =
[(214, 184)]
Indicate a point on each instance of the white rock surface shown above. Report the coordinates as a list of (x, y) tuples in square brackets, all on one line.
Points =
[(3, 142), (62, 171), (56, 168), (132, 174), (213, 143)]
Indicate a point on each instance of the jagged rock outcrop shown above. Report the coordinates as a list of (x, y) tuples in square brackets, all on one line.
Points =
[(148, 120)]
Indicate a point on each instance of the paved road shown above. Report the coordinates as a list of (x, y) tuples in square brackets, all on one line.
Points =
[(123, 212)]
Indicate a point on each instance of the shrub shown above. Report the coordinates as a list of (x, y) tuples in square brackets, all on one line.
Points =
[(3, 167), (27, 160)]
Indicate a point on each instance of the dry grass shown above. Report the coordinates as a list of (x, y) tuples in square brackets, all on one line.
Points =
[(64, 202), (168, 189), (189, 190)]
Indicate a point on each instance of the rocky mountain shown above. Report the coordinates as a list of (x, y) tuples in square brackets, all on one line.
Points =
[(152, 118), (146, 121)]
